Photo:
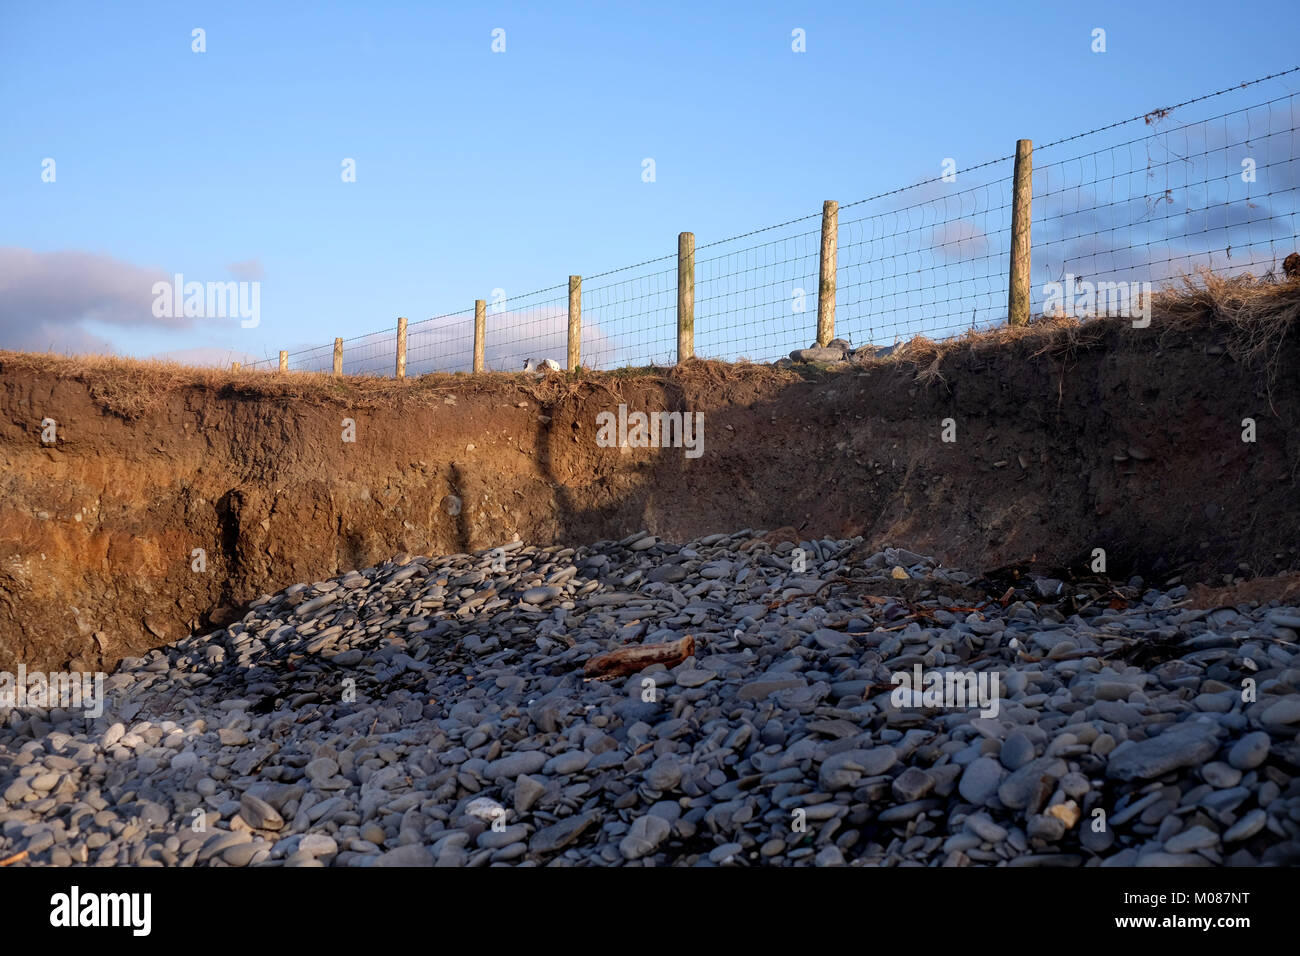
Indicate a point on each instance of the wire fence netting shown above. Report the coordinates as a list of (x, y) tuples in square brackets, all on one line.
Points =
[(1210, 183)]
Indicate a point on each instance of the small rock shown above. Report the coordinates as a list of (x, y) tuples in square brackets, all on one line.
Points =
[(528, 790), (1181, 746), (1285, 711), (980, 781), (410, 855), (259, 814), (1190, 840), (1250, 751), (644, 837)]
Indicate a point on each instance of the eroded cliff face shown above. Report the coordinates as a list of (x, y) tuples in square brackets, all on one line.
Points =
[(1131, 442)]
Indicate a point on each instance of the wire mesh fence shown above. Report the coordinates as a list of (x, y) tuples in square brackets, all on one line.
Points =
[(1217, 193), (929, 261), (523, 327), (1143, 200), (760, 300), (631, 320)]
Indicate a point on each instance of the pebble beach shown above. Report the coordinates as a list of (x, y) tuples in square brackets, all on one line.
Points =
[(435, 711)]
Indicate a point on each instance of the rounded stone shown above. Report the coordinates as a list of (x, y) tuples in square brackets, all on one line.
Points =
[(1250, 751), (980, 781)]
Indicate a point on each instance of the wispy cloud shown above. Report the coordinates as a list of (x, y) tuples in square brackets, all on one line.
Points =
[(249, 270)]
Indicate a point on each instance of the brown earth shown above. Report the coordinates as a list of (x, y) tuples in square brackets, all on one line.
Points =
[(1284, 588), (1102, 436)]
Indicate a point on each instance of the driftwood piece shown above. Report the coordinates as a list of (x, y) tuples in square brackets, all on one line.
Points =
[(629, 660)]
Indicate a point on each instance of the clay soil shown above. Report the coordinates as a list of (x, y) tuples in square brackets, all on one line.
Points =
[(1067, 440)]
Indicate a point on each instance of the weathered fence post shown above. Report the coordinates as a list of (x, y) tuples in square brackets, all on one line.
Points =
[(826, 281), (234, 366), (1021, 202), (480, 333), (284, 360), (401, 347), (575, 322), (685, 296), (338, 357)]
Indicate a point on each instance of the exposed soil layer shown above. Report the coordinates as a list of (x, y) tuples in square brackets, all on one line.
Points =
[(1129, 440)]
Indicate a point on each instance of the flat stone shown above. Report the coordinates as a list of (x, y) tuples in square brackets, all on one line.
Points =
[(560, 835), (242, 854), (322, 768), (984, 828), (644, 837), (1190, 840), (843, 770), (1245, 828), (221, 841), (511, 766), (571, 762), (667, 574), (1282, 618), (906, 811), (1285, 711), (758, 689), (725, 854), (1181, 746), (494, 839), (838, 729), (696, 677)]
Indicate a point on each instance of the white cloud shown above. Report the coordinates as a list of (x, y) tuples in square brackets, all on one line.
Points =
[(45, 297)]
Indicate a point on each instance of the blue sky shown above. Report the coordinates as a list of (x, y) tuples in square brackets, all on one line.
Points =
[(479, 170)]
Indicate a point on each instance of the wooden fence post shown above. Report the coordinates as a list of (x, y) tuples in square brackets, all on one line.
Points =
[(685, 296), (826, 281), (401, 347), (338, 357), (1021, 203), (575, 322), (284, 360), (234, 366), (480, 332)]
